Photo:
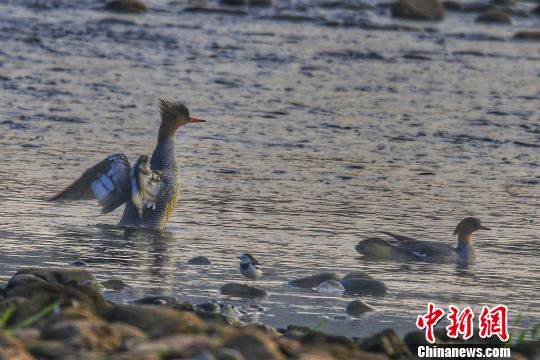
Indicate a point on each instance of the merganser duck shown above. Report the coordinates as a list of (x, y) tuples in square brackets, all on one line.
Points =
[(407, 249), (149, 188)]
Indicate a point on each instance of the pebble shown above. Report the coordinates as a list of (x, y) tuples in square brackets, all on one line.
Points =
[(199, 260), (358, 307)]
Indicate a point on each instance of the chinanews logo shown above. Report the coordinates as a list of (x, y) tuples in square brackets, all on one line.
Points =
[(491, 322)]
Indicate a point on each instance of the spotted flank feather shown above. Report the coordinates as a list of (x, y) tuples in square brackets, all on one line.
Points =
[(107, 181), (146, 185)]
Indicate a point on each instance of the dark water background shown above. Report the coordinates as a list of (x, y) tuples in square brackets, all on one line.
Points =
[(318, 136)]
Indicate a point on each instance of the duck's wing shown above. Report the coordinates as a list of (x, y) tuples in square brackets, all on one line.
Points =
[(146, 185), (426, 249), (381, 249), (108, 182)]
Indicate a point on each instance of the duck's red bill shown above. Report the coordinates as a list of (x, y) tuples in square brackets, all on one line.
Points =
[(195, 120), (483, 227)]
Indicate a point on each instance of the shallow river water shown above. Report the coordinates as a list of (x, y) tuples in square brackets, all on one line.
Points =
[(317, 136)]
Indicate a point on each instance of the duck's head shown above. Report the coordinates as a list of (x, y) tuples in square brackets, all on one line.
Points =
[(469, 225), (173, 115)]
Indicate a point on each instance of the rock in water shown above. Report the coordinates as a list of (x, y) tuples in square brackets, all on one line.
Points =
[(527, 35), (494, 17), (330, 287), (431, 10), (452, 5), (313, 281), (199, 260), (114, 284), (241, 290), (126, 6), (362, 287), (358, 307), (357, 274)]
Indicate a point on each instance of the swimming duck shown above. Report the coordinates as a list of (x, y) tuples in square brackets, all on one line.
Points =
[(407, 249), (149, 188)]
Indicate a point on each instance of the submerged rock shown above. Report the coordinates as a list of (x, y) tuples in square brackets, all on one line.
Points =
[(313, 281), (358, 307), (494, 17), (529, 35), (127, 6), (356, 286), (389, 343), (199, 260), (78, 263), (241, 290), (432, 10), (330, 287)]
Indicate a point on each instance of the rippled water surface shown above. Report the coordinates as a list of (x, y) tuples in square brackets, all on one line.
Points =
[(318, 136)]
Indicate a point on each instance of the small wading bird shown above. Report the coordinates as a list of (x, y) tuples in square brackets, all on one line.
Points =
[(149, 188), (250, 267), (407, 249)]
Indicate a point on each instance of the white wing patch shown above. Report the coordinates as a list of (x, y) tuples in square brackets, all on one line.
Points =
[(146, 185), (105, 186), (419, 254)]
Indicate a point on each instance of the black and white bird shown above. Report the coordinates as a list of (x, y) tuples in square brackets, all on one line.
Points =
[(250, 267)]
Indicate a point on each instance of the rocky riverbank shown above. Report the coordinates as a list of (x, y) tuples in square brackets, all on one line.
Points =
[(61, 314)]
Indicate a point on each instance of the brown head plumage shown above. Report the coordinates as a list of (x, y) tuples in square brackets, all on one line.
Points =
[(173, 111), (469, 225)]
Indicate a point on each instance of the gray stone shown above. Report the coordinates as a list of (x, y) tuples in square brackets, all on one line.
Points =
[(199, 260), (313, 281), (431, 10), (494, 17), (362, 287), (357, 274), (127, 6), (241, 290), (358, 308), (114, 284)]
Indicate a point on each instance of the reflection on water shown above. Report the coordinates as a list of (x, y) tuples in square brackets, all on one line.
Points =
[(322, 137)]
